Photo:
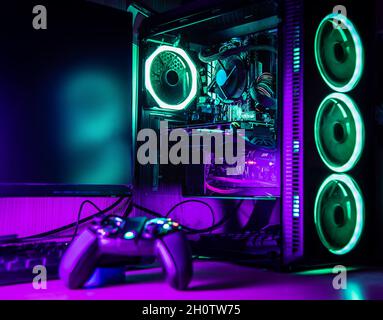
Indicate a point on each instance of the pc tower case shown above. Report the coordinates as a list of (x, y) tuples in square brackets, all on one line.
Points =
[(299, 77), (329, 80)]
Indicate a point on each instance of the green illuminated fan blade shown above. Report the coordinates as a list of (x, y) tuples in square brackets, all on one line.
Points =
[(171, 78), (339, 53), (339, 214), (339, 132)]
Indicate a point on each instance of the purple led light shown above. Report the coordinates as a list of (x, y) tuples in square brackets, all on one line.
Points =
[(220, 191), (292, 151)]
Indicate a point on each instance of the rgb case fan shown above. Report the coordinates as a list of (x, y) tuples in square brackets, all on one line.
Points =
[(339, 52), (171, 78), (339, 214), (339, 132)]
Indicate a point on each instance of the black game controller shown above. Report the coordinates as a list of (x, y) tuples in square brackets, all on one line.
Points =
[(116, 242)]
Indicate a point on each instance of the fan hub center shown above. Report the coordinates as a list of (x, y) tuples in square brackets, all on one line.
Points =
[(171, 78), (339, 216), (340, 53), (339, 132), (221, 77)]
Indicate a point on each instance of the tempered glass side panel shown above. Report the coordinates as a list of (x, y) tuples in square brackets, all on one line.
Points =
[(237, 90), (232, 52)]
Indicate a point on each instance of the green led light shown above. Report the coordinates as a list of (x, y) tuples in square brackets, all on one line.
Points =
[(359, 52), (321, 272), (341, 101), (354, 292), (129, 235), (354, 195), (193, 72)]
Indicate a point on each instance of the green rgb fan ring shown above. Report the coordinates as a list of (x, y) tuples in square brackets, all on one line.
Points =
[(171, 78), (339, 132), (339, 214), (339, 53)]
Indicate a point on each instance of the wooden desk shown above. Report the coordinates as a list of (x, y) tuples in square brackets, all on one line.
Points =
[(215, 281)]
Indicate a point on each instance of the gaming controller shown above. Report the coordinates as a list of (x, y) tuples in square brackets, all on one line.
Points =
[(118, 242)]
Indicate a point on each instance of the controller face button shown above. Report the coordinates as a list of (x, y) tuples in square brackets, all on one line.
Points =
[(159, 227)]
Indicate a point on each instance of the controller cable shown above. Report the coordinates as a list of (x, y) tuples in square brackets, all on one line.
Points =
[(172, 209), (100, 213), (130, 205), (189, 230)]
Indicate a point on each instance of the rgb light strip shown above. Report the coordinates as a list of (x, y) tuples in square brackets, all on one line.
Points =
[(360, 132), (359, 65), (360, 215), (292, 154), (193, 71)]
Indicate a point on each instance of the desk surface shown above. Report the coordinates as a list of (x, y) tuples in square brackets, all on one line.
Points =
[(215, 280)]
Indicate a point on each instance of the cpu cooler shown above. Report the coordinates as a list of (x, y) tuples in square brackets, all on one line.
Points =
[(230, 78)]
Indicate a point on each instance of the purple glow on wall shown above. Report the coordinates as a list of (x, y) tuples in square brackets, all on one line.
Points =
[(30, 216)]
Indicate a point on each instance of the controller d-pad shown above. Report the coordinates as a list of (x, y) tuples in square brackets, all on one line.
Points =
[(114, 221), (110, 226)]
